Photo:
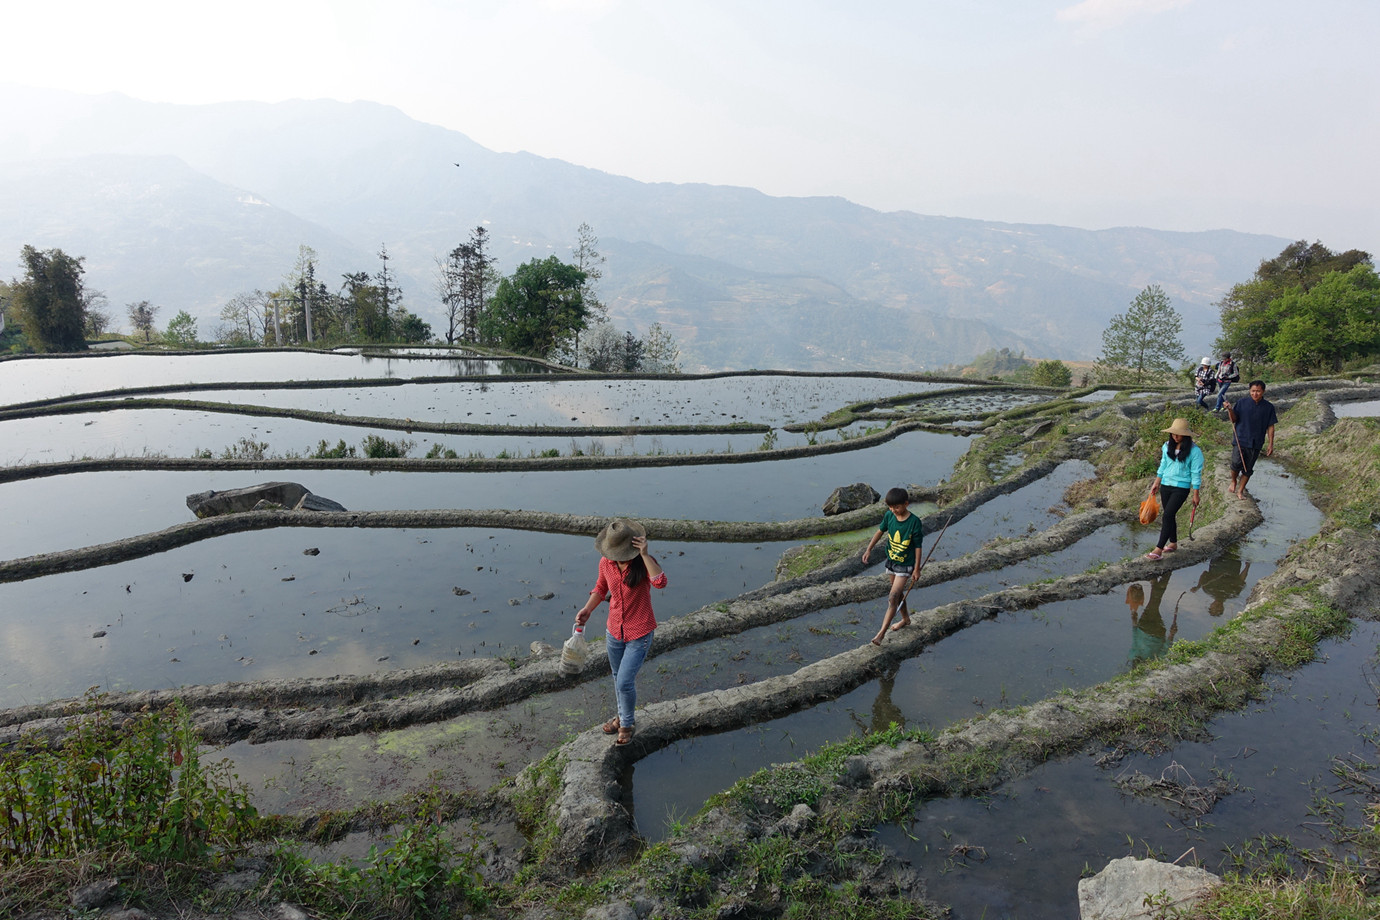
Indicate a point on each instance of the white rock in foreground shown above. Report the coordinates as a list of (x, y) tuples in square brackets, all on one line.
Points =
[(1119, 891)]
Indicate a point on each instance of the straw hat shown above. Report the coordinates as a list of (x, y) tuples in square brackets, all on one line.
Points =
[(1179, 427), (615, 540)]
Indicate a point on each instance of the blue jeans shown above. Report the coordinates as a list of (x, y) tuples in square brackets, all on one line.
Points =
[(625, 660), (1222, 393)]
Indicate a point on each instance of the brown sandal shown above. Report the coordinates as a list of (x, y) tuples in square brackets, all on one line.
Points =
[(611, 726), (625, 734)]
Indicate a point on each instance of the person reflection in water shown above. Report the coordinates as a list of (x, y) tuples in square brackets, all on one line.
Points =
[(1224, 579), (1149, 638), (885, 712)]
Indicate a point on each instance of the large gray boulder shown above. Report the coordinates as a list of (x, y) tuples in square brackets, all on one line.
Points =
[(269, 495), (1120, 890), (850, 498)]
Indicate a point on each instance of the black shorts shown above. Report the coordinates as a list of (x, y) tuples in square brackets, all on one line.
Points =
[(1243, 459), (896, 568)]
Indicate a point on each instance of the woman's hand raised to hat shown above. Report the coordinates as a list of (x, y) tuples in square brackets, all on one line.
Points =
[(653, 567)]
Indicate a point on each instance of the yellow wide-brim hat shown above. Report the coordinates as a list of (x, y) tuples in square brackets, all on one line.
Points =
[(1180, 427)]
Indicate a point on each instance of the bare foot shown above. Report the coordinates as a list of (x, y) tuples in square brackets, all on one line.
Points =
[(877, 641), (905, 621), (1241, 494)]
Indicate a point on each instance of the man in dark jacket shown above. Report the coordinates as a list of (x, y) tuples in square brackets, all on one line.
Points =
[(1254, 419)]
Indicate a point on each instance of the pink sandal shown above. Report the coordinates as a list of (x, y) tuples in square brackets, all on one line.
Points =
[(1154, 555)]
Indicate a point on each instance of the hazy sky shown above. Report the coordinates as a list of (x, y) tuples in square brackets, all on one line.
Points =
[(1257, 115)]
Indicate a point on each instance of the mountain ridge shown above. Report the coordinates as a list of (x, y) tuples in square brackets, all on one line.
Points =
[(863, 287)]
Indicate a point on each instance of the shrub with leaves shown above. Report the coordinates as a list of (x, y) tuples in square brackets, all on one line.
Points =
[(138, 786), (378, 447), (326, 452), (420, 874)]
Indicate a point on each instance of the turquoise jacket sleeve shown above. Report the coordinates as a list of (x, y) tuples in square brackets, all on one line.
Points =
[(1166, 465), (1195, 467)]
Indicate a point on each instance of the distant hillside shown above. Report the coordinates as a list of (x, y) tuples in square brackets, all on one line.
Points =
[(186, 205)]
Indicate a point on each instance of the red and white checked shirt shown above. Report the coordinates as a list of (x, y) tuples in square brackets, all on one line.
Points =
[(630, 609)]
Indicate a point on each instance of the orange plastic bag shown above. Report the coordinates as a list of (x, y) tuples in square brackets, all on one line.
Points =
[(1149, 509)]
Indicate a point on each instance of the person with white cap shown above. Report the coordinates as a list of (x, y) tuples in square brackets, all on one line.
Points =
[(1204, 382), (627, 573), (1179, 478)]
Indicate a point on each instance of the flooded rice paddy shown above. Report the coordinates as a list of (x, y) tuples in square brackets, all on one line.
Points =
[(575, 401), (116, 504), (32, 379), (1369, 408), (256, 605)]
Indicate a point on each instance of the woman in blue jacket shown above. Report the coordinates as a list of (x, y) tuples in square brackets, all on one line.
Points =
[(1178, 479)]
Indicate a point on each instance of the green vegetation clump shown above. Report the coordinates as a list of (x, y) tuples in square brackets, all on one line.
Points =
[(439, 451), (422, 873), (245, 449), (138, 787), (1052, 373), (377, 447), (325, 452)]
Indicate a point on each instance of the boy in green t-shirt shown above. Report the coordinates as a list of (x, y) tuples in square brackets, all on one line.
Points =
[(903, 532)]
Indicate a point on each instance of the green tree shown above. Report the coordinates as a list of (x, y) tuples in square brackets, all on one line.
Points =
[(181, 330), (1334, 320), (589, 260), (1143, 341), (466, 280), (633, 350), (409, 327), (662, 353), (536, 309), (1248, 322), (601, 348), (141, 317), (310, 307), (48, 303), (1051, 374), (362, 309), (246, 316), (390, 295), (95, 313)]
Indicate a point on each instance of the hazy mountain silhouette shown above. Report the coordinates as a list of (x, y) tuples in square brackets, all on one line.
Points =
[(187, 205)]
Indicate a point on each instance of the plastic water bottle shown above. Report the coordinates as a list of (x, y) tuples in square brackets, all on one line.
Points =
[(575, 651)]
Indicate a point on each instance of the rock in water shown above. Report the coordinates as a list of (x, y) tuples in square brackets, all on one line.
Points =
[(851, 498)]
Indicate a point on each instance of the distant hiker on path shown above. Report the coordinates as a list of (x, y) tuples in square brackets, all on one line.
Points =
[(903, 532), (1227, 374), (1179, 478), (627, 574), (1253, 419), (1204, 382)]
